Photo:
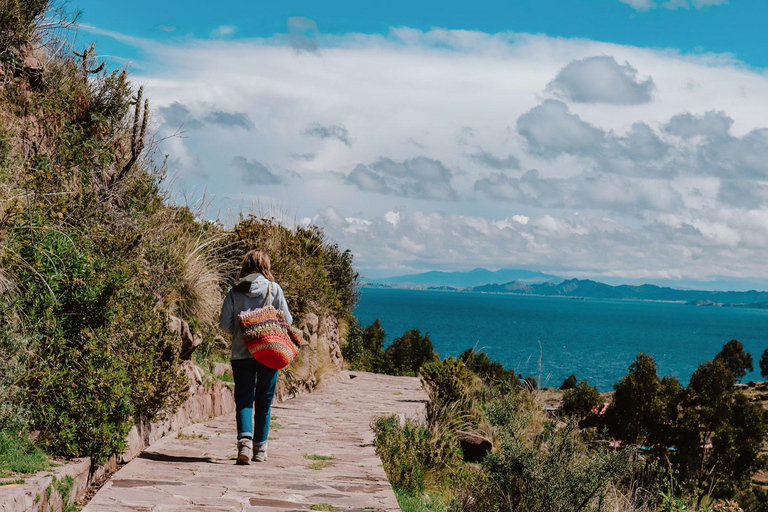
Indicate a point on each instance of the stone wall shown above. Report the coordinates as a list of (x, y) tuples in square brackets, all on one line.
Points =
[(39, 493), (319, 362)]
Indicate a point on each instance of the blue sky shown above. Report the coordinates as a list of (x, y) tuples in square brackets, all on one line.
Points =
[(732, 28), (621, 140)]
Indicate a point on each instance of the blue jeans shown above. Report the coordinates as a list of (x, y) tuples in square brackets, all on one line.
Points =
[(254, 385)]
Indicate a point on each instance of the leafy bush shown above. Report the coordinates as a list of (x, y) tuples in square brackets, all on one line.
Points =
[(404, 452), (735, 358), (90, 257), (554, 473), (720, 434), (492, 373), (448, 382), (408, 353), (638, 409), (314, 272), (14, 416), (580, 401), (19, 456), (17, 19), (364, 349)]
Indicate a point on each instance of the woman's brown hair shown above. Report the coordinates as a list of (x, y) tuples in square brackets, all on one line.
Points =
[(256, 262)]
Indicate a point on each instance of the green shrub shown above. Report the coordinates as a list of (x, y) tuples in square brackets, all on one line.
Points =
[(580, 401), (492, 373), (364, 349), (408, 353), (313, 272), (404, 452), (89, 259), (19, 456), (448, 382), (14, 415), (553, 473), (17, 19)]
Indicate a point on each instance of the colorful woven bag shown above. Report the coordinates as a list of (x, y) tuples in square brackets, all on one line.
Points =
[(267, 336)]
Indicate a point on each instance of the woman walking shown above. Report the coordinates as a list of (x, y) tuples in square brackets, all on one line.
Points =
[(254, 382)]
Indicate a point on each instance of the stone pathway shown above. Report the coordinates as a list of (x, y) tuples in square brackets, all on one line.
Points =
[(321, 454)]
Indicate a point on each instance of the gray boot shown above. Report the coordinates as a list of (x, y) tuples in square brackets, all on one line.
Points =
[(244, 447), (260, 453)]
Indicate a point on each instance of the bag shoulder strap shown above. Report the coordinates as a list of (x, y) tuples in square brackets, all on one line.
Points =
[(267, 300)]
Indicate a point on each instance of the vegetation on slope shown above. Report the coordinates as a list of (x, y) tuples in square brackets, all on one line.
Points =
[(659, 446), (94, 259)]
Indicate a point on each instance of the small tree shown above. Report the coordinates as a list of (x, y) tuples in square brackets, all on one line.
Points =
[(354, 349), (493, 373), (409, 352), (637, 409), (764, 364), (364, 349), (569, 383), (720, 433), (374, 338), (580, 401), (735, 358)]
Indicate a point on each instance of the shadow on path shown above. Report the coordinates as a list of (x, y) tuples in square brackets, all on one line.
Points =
[(161, 457)]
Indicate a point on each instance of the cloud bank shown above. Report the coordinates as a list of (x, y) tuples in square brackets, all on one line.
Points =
[(426, 149)]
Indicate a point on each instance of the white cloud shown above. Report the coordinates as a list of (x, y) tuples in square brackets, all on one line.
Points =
[(646, 5), (253, 172), (551, 129), (224, 31), (419, 177), (337, 132), (491, 161), (601, 79), (640, 5), (585, 191), (392, 217), (597, 245), (706, 3), (302, 33), (443, 129)]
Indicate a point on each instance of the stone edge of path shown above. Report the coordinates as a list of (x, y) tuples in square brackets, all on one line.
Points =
[(38, 493)]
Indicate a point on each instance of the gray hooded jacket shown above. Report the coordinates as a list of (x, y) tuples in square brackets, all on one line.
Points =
[(248, 293)]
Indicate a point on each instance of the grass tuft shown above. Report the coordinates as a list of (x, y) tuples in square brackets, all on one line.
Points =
[(323, 506), (318, 457), (182, 435), (18, 481), (20, 456), (317, 466)]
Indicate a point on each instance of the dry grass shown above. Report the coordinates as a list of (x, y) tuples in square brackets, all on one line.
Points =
[(199, 293), (6, 285), (617, 500), (322, 366)]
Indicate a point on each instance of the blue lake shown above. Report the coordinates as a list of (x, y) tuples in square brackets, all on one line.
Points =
[(595, 339)]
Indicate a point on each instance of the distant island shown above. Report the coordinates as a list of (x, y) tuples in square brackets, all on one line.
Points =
[(528, 282), (461, 280), (587, 288)]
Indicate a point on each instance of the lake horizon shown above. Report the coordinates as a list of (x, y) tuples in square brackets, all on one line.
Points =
[(595, 339)]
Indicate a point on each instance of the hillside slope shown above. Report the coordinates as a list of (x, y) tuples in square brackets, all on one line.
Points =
[(105, 284)]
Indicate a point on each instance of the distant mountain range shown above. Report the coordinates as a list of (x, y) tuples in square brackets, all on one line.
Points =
[(528, 282), (592, 289), (476, 277)]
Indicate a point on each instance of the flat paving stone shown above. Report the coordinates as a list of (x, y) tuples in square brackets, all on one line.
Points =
[(196, 470)]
